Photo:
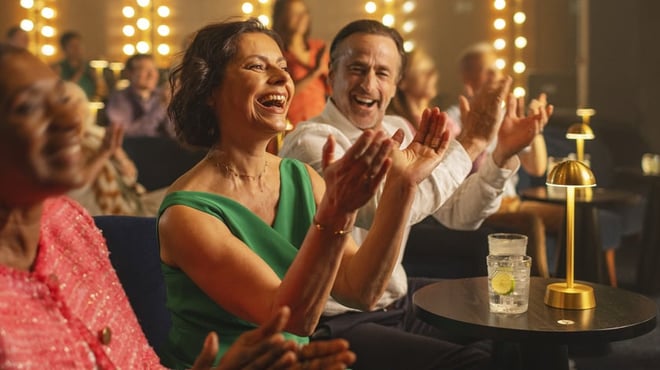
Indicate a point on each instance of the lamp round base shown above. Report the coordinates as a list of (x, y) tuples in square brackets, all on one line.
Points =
[(579, 297)]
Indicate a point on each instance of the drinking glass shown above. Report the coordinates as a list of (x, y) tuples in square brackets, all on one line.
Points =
[(507, 244), (508, 283)]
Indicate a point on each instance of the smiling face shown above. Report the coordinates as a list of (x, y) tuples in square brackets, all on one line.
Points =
[(481, 71), (143, 74), (40, 125), (364, 78), (421, 77), (256, 88), (297, 17)]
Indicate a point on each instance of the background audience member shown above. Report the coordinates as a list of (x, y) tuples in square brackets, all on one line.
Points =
[(18, 38), (111, 187), (61, 303), (141, 108), (416, 90), (75, 67), (307, 59), (245, 232), (477, 69)]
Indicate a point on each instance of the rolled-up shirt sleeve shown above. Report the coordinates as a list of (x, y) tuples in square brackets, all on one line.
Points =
[(478, 197)]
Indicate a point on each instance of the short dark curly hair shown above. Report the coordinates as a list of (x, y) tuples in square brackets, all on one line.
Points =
[(201, 70)]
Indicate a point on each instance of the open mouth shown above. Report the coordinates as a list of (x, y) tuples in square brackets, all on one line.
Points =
[(66, 149), (365, 102), (273, 100)]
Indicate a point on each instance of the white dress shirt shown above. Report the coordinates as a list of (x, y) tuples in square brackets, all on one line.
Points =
[(447, 195)]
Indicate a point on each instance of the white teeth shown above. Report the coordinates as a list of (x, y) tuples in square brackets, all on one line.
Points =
[(273, 97), (364, 101)]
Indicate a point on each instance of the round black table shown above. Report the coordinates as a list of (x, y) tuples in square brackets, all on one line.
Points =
[(588, 257), (460, 306)]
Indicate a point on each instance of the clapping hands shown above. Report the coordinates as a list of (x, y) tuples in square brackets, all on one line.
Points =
[(425, 152), (482, 116), (265, 348), (352, 180), (519, 130)]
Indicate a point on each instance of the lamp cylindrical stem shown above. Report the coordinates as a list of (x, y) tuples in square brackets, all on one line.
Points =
[(580, 149), (570, 235)]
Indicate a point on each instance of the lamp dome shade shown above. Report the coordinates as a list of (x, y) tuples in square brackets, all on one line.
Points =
[(571, 173), (580, 131)]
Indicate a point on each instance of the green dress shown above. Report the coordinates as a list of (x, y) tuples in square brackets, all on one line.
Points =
[(194, 314)]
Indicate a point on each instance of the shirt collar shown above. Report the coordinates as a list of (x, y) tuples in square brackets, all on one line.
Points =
[(332, 116)]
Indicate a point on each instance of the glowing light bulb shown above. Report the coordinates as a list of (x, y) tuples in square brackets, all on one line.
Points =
[(499, 44), (48, 31), (519, 17), (142, 47), (48, 13), (520, 42), (408, 26), (370, 7), (163, 49), (129, 49), (388, 20), (128, 11), (163, 30), (499, 4), (128, 30), (519, 92), (27, 4), (263, 1), (247, 8), (408, 46), (143, 3), (143, 24), (499, 24), (500, 63), (264, 19), (163, 11), (519, 67), (408, 6), (27, 25), (48, 50)]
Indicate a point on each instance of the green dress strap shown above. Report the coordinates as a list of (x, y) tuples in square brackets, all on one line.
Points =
[(194, 313)]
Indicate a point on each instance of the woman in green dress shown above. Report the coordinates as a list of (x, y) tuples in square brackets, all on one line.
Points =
[(244, 232)]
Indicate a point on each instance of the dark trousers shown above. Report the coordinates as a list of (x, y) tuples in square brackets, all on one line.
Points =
[(395, 339)]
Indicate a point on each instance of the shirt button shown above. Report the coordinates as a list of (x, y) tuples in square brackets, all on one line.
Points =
[(105, 335)]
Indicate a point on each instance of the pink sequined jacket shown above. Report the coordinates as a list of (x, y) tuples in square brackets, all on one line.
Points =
[(70, 311)]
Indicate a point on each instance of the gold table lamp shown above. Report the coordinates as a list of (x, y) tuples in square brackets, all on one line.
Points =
[(581, 131), (569, 295)]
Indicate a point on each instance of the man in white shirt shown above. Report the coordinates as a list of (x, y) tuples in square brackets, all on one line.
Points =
[(366, 59)]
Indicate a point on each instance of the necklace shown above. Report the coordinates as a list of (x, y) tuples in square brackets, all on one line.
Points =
[(233, 173)]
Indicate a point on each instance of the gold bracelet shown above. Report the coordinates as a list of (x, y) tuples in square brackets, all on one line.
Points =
[(321, 227)]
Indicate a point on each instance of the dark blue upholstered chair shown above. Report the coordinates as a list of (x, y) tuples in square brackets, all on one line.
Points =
[(159, 160), (134, 253)]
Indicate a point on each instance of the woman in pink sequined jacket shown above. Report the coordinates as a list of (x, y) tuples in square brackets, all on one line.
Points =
[(61, 303)]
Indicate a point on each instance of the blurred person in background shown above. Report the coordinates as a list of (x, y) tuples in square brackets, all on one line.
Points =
[(17, 37), (477, 69), (141, 108), (306, 57), (111, 187), (75, 66)]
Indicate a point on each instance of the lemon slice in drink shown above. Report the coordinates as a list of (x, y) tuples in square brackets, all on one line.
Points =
[(502, 283)]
